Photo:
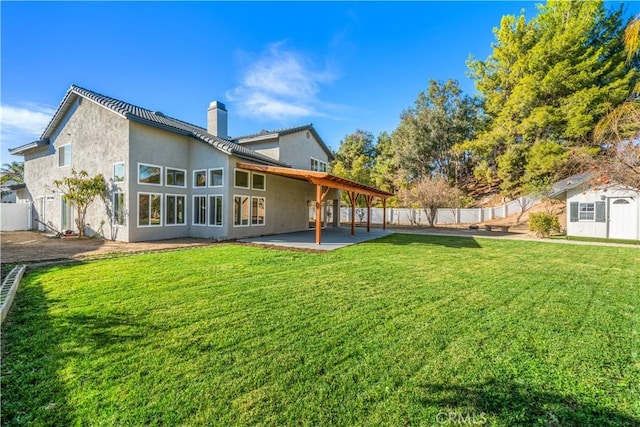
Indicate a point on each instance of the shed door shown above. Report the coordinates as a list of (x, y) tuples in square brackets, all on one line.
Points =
[(623, 221)]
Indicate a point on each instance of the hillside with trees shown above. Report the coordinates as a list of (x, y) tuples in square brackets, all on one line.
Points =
[(558, 95)]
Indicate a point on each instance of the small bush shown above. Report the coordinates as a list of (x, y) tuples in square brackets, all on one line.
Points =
[(544, 224)]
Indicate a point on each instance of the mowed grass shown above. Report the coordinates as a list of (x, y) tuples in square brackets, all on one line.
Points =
[(404, 330)]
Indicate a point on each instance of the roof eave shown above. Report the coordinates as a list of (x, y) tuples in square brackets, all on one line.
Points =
[(23, 149), (256, 138)]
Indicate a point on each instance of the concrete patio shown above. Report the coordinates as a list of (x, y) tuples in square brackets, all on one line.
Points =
[(332, 238)]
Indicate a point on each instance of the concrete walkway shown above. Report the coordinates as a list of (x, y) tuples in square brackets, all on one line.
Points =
[(502, 236), (332, 238)]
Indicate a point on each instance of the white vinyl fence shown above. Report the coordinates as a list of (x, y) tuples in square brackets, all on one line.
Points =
[(15, 216), (409, 216)]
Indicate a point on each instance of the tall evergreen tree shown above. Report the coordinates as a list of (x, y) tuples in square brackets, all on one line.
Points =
[(545, 86)]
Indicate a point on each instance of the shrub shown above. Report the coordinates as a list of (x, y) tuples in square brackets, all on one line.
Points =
[(543, 224)]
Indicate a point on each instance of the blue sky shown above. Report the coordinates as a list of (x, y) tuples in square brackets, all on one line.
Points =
[(341, 66)]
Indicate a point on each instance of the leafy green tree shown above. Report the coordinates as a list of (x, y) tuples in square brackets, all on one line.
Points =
[(13, 171), (80, 190), (355, 157), (545, 86), (441, 118), (385, 169)]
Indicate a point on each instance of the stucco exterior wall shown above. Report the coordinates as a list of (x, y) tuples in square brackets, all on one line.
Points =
[(591, 228), (203, 156), (298, 148), (270, 147), (162, 148), (286, 206), (98, 139)]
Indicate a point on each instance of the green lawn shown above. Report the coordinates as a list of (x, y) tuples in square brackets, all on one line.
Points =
[(405, 330)]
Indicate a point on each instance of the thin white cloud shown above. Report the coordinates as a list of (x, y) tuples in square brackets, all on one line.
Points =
[(21, 125), (281, 84)]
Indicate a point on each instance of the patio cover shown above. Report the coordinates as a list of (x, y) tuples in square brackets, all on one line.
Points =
[(324, 182)]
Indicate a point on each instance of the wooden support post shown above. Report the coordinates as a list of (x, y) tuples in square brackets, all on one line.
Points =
[(318, 214), (320, 196), (353, 197), (369, 200), (384, 213)]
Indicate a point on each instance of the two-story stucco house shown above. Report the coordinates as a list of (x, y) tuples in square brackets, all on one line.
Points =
[(167, 178)]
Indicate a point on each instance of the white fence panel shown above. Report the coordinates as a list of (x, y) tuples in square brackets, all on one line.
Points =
[(15, 216), (407, 216), (468, 216)]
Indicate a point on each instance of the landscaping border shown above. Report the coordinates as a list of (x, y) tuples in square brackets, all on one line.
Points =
[(9, 288)]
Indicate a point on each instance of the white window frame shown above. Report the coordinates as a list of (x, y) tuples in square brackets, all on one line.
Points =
[(320, 165), (185, 213), (206, 172), (166, 176), (211, 209), (124, 169), (211, 181), (60, 151), (153, 166), (242, 196), (161, 209), (196, 208), (264, 217), (236, 170), (124, 210), (264, 176), (592, 212)]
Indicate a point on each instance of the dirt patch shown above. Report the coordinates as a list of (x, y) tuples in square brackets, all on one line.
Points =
[(31, 246)]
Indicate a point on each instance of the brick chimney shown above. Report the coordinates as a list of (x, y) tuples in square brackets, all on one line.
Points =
[(217, 119)]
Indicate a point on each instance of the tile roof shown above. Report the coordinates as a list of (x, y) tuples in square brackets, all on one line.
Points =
[(156, 119), (288, 131)]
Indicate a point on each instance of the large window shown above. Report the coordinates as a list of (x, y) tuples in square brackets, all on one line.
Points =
[(176, 178), (118, 208), (118, 172), (215, 211), (216, 177), (241, 179), (149, 174), (241, 211), (64, 155), (175, 208), (149, 209), (257, 210), (199, 210), (200, 178), (318, 165), (258, 181)]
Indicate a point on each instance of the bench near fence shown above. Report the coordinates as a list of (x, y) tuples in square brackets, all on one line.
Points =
[(490, 227)]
